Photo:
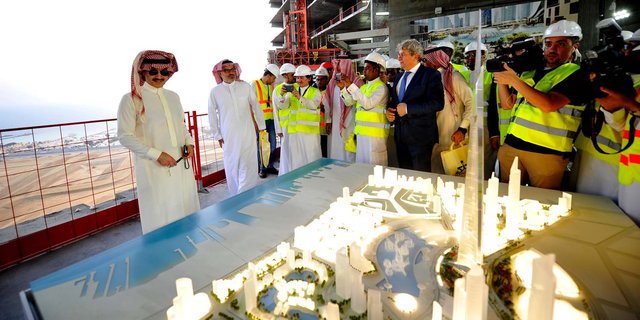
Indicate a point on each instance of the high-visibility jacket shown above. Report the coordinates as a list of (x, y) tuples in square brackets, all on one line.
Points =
[(629, 169), (287, 115), (608, 140), (307, 120), (371, 123), (263, 92), (554, 130), (464, 71)]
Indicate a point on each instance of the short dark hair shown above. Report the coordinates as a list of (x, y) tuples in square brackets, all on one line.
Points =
[(225, 61)]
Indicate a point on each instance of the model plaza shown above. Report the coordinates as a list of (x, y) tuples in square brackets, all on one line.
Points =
[(390, 250)]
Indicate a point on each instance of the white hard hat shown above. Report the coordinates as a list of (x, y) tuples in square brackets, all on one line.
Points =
[(303, 70), (287, 68), (472, 46), (393, 64), (273, 69), (322, 72), (626, 34), (445, 44), (376, 58), (635, 36), (563, 28)]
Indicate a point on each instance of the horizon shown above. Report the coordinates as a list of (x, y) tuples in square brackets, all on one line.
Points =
[(67, 65)]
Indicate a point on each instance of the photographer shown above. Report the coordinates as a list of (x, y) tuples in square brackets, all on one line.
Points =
[(547, 111), (627, 122), (599, 144)]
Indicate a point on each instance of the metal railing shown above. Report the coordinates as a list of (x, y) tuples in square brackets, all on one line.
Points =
[(62, 182)]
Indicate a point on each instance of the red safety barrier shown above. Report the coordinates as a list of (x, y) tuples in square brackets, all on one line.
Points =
[(62, 182)]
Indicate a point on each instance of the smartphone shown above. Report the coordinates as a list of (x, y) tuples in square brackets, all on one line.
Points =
[(338, 76), (287, 87)]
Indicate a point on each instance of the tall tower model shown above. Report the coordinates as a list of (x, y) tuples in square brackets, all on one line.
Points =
[(470, 239), (543, 288)]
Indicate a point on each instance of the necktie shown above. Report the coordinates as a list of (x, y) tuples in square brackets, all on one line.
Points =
[(403, 84)]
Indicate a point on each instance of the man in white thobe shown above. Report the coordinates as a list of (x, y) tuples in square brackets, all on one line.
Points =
[(285, 115), (370, 101), (235, 116), (306, 102), (151, 125), (342, 117)]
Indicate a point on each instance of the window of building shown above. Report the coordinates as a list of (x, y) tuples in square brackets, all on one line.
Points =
[(574, 7)]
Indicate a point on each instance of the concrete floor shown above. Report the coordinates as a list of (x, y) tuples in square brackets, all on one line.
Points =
[(17, 278)]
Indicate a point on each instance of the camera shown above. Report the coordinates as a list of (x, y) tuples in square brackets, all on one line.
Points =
[(522, 55), (605, 64), (287, 87)]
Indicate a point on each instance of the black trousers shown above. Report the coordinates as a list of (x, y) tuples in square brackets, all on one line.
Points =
[(414, 157)]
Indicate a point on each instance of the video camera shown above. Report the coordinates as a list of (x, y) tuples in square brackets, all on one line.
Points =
[(605, 64), (523, 55)]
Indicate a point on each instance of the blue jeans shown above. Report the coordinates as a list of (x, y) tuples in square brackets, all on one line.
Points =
[(271, 130)]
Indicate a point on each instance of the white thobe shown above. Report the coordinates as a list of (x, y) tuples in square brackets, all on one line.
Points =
[(286, 142), (230, 116), (371, 150), (308, 143), (451, 117), (335, 143), (164, 194)]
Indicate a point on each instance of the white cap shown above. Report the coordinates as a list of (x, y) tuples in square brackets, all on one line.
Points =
[(376, 58), (445, 44), (393, 64), (563, 28), (287, 68), (626, 34), (273, 69), (322, 72), (635, 36), (303, 70), (472, 46)]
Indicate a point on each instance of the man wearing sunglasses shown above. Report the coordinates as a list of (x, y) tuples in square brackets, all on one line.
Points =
[(235, 117), (151, 125)]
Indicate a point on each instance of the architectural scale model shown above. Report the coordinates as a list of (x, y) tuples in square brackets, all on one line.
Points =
[(388, 251)]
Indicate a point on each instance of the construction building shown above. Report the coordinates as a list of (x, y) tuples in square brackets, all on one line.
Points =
[(314, 31)]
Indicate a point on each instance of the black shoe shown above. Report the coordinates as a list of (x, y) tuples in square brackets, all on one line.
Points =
[(262, 174), (272, 171)]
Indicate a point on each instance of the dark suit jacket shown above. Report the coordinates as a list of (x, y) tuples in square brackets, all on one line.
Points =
[(424, 97)]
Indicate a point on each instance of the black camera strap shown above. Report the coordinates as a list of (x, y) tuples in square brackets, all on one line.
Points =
[(598, 121)]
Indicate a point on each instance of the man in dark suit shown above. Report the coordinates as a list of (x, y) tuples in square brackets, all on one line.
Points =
[(417, 96)]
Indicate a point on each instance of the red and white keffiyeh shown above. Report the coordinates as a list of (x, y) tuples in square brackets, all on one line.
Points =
[(144, 61), (218, 67), (346, 69), (439, 59)]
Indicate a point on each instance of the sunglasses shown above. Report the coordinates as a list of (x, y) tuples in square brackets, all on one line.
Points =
[(229, 70), (163, 72)]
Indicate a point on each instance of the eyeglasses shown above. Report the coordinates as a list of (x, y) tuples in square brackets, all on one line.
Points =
[(229, 70), (163, 72)]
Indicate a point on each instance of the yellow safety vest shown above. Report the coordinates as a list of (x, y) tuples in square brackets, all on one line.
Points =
[(287, 116), (629, 169), (464, 71), (263, 92), (371, 123), (553, 130), (308, 120), (608, 140)]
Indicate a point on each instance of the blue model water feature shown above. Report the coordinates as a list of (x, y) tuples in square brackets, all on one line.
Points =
[(304, 275), (303, 315), (396, 256), (269, 299)]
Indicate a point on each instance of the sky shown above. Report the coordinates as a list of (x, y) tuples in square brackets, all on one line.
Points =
[(70, 60)]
